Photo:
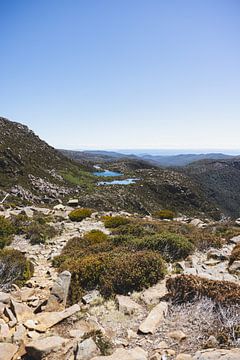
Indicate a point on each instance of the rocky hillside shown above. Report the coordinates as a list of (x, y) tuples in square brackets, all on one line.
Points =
[(30, 168), (219, 179)]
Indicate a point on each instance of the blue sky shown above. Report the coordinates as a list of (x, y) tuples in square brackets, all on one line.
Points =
[(123, 73)]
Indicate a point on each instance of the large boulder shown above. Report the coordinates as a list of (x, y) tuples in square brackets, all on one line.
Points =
[(154, 319)]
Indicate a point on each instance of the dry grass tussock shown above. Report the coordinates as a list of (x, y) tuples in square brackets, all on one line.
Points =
[(202, 319)]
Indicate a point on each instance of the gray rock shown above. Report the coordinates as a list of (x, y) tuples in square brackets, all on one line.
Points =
[(154, 318), (59, 292), (86, 349), (41, 347)]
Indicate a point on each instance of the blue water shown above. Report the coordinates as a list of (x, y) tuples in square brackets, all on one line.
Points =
[(119, 182), (107, 173)]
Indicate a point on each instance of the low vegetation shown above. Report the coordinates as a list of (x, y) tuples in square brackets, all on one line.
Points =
[(113, 222), (6, 232), (14, 268), (131, 257), (235, 255), (185, 288), (80, 214), (164, 214), (113, 272)]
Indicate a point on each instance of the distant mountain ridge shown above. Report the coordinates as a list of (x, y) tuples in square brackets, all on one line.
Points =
[(158, 160)]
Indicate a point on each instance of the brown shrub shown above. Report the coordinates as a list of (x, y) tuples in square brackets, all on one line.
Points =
[(113, 272), (235, 254), (185, 288)]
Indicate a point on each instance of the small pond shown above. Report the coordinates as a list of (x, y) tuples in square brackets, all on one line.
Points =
[(119, 182), (107, 173)]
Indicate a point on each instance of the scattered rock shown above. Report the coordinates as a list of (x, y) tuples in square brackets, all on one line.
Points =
[(218, 354), (152, 322), (211, 342), (127, 306), (177, 335), (4, 332), (9, 314), (4, 297), (122, 354), (19, 334), (21, 311), (41, 347), (46, 320), (86, 349)]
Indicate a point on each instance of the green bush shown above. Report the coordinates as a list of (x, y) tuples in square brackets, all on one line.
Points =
[(113, 272), (115, 221), (95, 236), (14, 268), (137, 229), (171, 246), (6, 232), (80, 214), (164, 214), (38, 234)]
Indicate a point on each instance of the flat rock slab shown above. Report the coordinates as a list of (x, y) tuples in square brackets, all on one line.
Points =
[(41, 347), (122, 354), (221, 354), (127, 305), (46, 320), (7, 351), (21, 311), (154, 318)]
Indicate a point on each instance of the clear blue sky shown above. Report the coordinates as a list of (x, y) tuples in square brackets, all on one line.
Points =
[(123, 73)]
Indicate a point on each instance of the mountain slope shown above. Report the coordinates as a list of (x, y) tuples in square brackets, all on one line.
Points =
[(29, 167), (219, 180)]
